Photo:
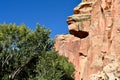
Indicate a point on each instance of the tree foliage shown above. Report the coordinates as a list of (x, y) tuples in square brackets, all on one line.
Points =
[(28, 55)]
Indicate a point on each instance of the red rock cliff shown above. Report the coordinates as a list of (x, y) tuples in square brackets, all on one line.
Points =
[(93, 45)]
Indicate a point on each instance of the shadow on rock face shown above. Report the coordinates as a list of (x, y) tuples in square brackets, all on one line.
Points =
[(80, 34)]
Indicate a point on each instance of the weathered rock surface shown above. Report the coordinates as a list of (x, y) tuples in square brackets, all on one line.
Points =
[(93, 45)]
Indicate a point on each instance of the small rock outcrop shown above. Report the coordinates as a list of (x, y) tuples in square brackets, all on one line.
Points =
[(93, 45)]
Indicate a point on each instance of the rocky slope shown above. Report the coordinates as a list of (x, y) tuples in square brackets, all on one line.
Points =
[(93, 45)]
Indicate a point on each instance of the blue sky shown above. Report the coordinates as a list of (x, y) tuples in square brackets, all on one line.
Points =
[(51, 13)]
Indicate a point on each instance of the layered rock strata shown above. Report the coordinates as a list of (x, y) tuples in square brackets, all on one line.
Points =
[(93, 45)]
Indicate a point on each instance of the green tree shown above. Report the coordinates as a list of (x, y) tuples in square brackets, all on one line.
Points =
[(28, 55)]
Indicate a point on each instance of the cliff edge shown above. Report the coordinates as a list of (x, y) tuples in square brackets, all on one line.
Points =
[(93, 45)]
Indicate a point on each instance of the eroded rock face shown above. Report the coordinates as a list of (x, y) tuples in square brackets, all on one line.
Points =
[(93, 45)]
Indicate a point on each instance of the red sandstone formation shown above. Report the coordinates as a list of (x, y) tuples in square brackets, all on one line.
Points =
[(93, 45)]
